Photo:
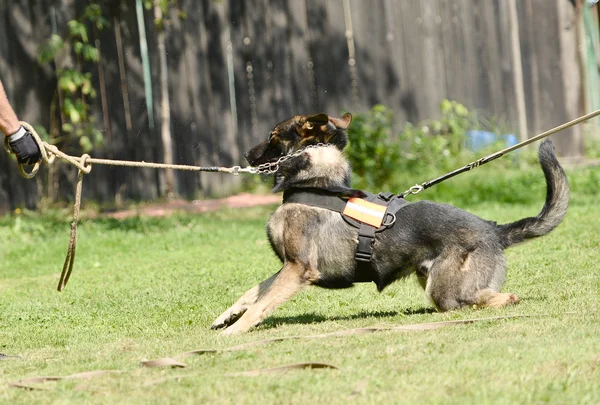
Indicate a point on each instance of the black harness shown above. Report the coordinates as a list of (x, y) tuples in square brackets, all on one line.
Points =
[(366, 233)]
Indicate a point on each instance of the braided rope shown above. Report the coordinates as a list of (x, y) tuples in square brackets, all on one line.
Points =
[(50, 152), (84, 165)]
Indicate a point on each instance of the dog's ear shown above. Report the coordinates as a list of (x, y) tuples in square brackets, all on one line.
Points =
[(318, 119), (323, 119), (312, 122), (343, 122)]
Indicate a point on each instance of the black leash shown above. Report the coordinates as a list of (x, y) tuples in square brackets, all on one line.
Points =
[(416, 189)]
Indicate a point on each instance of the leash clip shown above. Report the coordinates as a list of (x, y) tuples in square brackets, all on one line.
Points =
[(416, 189)]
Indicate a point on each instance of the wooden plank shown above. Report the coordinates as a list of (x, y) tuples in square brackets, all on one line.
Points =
[(220, 148), (492, 61), (530, 65), (454, 58), (250, 37), (330, 56), (467, 51), (183, 86), (570, 143), (513, 73), (241, 56), (374, 76), (302, 74), (282, 61), (481, 66), (262, 77), (108, 180), (318, 40), (551, 109), (141, 145), (229, 154), (415, 101), (397, 78), (433, 63)]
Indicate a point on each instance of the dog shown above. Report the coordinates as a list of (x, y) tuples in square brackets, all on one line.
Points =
[(457, 257)]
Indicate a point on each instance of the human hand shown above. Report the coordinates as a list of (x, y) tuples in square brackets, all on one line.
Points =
[(25, 147)]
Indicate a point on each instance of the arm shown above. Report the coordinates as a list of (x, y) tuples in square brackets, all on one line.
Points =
[(9, 124), (21, 142)]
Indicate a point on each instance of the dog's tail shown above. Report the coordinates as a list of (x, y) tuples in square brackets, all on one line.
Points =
[(555, 208)]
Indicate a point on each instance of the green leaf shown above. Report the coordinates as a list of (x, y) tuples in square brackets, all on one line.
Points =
[(78, 47), (74, 115), (66, 83), (50, 48), (86, 88), (446, 106), (68, 128), (78, 30), (97, 137), (91, 53), (86, 144)]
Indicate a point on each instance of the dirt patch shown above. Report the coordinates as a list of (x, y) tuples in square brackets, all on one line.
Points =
[(160, 210)]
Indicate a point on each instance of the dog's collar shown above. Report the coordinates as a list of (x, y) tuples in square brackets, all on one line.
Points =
[(315, 197)]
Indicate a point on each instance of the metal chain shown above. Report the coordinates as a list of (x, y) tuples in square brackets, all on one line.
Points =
[(273, 167)]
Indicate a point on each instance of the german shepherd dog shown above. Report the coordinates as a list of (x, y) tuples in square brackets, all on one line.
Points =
[(457, 257)]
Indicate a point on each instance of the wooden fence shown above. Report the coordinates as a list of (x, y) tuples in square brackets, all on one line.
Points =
[(236, 68)]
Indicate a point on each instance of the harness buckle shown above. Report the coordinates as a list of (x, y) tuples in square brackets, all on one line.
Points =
[(363, 257)]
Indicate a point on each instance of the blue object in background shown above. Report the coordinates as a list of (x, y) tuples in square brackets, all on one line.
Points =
[(477, 140)]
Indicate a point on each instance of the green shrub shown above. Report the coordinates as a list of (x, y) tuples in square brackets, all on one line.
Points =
[(383, 160), (373, 151)]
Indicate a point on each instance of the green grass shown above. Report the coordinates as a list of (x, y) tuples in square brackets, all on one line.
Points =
[(148, 288)]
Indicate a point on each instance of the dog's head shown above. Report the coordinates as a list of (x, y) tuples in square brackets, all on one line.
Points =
[(298, 132)]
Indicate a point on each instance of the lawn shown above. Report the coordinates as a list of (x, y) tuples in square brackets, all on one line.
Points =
[(148, 288)]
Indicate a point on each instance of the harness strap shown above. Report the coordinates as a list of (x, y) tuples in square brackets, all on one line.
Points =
[(315, 198), (364, 253), (366, 233)]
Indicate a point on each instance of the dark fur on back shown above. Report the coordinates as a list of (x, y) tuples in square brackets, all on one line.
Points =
[(457, 257)]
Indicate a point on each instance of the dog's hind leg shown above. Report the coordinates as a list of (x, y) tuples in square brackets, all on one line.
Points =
[(494, 299), (289, 281), (462, 277), (234, 312)]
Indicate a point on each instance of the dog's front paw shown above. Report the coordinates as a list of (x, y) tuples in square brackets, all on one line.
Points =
[(237, 328), (231, 331), (227, 318)]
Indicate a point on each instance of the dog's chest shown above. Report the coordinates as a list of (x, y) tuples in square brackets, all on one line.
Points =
[(312, 235)]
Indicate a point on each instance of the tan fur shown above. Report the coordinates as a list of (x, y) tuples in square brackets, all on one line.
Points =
[(245, 301), (493, 299), (289, 281), (327, 162)]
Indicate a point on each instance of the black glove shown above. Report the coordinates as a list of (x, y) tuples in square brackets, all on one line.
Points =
[(26, 149)]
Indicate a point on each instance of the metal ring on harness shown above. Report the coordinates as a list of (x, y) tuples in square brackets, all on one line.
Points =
[(392, 221)]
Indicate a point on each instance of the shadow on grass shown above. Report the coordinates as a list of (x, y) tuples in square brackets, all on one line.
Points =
[(317, 318)]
